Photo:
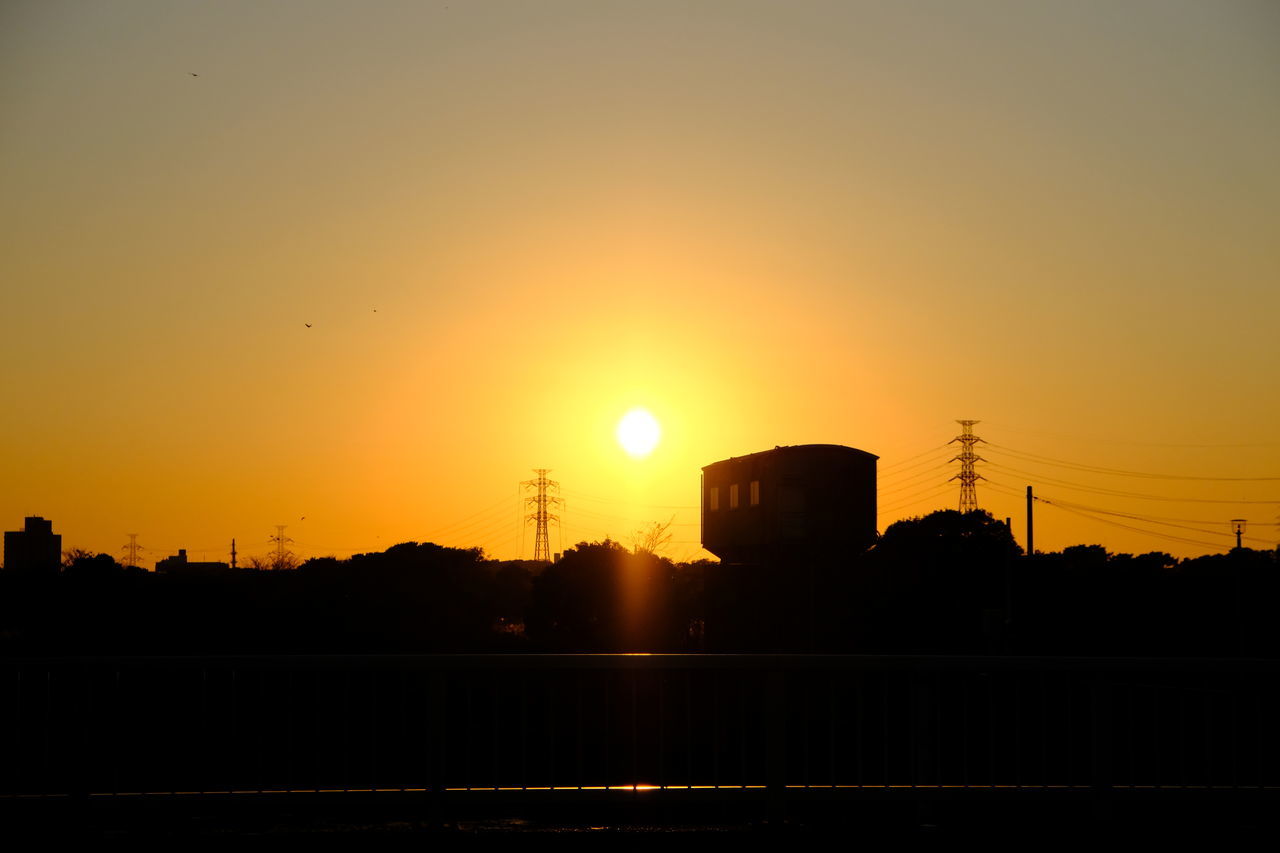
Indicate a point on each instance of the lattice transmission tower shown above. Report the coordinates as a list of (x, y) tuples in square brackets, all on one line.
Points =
[(131, 551), (542, 505), (968, 477), (283, 557)]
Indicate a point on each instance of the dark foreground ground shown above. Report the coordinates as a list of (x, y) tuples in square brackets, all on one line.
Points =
[(476, 815)]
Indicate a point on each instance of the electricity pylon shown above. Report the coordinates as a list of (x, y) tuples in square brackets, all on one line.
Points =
[(283, 557), (541, 506), (968, 477), (131, 561)]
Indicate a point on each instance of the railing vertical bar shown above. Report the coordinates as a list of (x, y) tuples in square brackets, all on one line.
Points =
[(319, 748), (939, 708), (1043, 729), (1234, 729), (234, 745), (45, 775), (1210, 711), (1018, 694), (468, 779), (289, 738), (402, 729), (1102, 746), (1069, 700), (1156, 753), (116, 725), (661, 732), (806, 744), (84, 761), (832, 714), (18, 727), (607, 694), (490, 697), (1183, 696), (524, 729), (688, 727), (260, 735), (550, 720), (966, 690), (207, 753), (743, 726), (1131, 695), (860, 727), (578, 729), (373, 729), (884, 734), (993, 758), (716, 680), (635, 737), (346, 729)]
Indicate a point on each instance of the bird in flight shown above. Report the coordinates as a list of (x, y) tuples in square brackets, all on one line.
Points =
[(193, 74), (308, 325)]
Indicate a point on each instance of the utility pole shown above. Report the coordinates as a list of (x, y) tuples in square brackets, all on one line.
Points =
[(1031, 542), (968, 477), (541, 515), (233, 553)]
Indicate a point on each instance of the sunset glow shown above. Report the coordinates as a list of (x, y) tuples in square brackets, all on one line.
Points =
[(370, 264)]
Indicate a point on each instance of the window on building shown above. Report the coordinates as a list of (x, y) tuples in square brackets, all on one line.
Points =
[(755, 493), (733, 496), (713, 498)]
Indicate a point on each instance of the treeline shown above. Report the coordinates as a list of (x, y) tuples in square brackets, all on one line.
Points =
[(946, 583)]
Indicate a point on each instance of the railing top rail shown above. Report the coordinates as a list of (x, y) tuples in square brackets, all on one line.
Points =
[(671, 662)]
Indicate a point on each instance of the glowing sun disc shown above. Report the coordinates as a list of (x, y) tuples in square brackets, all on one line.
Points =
[(638, 432)]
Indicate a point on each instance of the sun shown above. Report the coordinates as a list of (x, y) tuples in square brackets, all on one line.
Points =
[(638, 432)]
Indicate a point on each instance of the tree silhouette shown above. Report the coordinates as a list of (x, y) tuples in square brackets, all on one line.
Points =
[(654, 538)]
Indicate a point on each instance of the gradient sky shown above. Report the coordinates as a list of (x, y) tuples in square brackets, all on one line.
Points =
[(509, 222)]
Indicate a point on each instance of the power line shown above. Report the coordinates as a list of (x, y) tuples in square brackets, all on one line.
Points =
[(468, 520), (1095, 440), (910, 482), (915, 498), (1097, 469), (1151, 520), (1171, 537), (1067, 484), (897, 467), (576, 495)]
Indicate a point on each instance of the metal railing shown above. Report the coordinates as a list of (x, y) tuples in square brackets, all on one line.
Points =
[(785, 725)]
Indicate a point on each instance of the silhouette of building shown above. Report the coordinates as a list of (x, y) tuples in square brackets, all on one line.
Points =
[(179, 564), (790, 502), (35, 548)]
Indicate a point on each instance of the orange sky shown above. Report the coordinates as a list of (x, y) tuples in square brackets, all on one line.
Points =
[(509, 222)]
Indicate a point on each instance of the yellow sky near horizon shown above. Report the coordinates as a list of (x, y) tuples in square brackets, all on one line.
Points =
[(508, 223)]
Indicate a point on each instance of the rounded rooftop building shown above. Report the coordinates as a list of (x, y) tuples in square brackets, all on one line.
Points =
[(804, 500)]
